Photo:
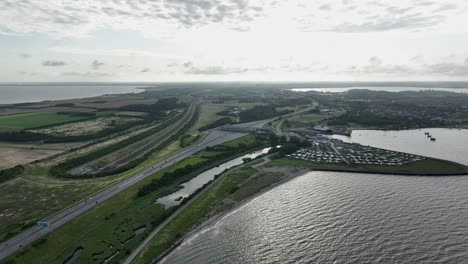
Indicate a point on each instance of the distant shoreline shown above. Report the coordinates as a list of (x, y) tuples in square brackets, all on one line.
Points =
[(11, 95)]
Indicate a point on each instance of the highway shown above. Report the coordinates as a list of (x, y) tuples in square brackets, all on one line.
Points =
[(31, 234), (215, 137), (154, 142)]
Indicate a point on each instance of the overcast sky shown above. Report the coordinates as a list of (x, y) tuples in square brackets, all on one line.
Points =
[(224, 40)]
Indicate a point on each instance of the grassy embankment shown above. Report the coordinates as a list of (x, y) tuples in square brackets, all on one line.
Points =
[(208, 115), (427, 166), (43, 195), (110, 228), (19, 122), (234, 187)]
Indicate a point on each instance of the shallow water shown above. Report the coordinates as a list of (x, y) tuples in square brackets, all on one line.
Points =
[(329, 217), (205, 177), (450, 144)]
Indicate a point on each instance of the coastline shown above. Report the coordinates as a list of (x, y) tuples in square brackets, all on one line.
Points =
[(289, 173), (393, 173), (212, 220)]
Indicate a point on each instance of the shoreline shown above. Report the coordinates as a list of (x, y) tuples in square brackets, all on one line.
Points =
[(390, 173), (290, 173), (210, 221)]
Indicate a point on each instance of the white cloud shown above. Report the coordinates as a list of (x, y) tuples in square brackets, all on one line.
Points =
[(216, 38), (111, 52), (96, 64), (53, 63), (75, 18)]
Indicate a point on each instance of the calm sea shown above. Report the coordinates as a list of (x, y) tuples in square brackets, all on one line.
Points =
[(450, 144), (13, 94), (331, 217), (327, 217), (387, 89)]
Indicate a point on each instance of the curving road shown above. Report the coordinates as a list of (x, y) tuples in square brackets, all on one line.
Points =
[(31, 234), (28, 236), (160, 137)]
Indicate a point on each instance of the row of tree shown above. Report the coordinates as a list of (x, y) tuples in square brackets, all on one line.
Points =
[(224, 152), (220, 122), (260, 112), (156, 112), (10, 173), (62, 169)]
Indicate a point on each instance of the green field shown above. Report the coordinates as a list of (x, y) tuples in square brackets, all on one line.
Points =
[(308, 118), (28, 199), (110, 228), (235, 186), (19, 122), (424, 167)]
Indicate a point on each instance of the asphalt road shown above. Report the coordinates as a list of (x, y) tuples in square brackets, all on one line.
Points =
[(31, 234), (163, 136), (28, 236)]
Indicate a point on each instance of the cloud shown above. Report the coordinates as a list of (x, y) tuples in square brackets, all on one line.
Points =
[(145, 70), (416, 58), (96, 64), (188, 64), (325, 7), (452, 69), (379, 69), (387, 23), (85, 74), (446, 7), (374, 60), (215, 70), (25, 55), (378, 16), (72, 17), (78, 18), (53, 63), (111, 52), (27, 73), (376, 66)]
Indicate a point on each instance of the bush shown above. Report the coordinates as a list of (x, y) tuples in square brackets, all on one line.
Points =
[(8, 174), (220, 122)]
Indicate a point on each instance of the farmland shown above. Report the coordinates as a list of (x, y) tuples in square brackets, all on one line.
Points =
[(86, 127), (111, 229), (18, 122)]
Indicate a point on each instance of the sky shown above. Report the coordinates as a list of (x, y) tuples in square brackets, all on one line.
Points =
[(233, 40)]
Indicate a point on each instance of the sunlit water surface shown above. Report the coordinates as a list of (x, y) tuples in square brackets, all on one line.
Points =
[(328, 217), (450, 144), (205, 177), (13, 94), (387, 89)]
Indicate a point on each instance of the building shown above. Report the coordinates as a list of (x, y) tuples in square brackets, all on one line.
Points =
[(323, 129)]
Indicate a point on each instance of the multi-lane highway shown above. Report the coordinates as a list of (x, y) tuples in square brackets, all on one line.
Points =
[(154, 141), (215, 137), (26, 237)]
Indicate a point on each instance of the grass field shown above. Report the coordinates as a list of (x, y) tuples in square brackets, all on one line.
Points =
[(208, 113), (31, 120), (86, 127), (43, 194), (26, 201), (236, 186), (22, 153), (109, 229), (428, 166)]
